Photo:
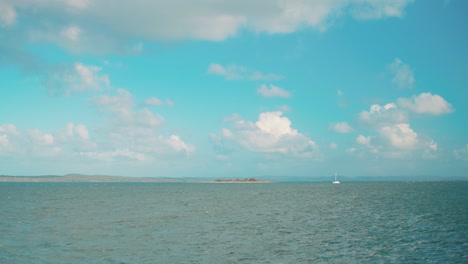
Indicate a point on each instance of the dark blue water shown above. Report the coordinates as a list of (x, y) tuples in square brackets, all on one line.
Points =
[(423, 222)]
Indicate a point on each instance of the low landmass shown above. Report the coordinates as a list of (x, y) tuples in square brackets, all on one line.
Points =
[(107, 178), (261, 179), (246, 180)]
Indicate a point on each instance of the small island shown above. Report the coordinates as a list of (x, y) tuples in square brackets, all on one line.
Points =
[(237, 180)]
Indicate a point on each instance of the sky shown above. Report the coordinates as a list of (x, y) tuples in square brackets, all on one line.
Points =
[(234, 88)]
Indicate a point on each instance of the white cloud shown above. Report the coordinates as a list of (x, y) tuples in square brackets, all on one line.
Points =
[(226, 133), (75, 137), (363, 140), (105, 29), (235, 72), (39, 138), (7, 14), (461, 154), (394, 137), (403, 74), (272, 133), (400, 136), (79, 78), (32, 143), (177, 144), (430, 151), (427, 103), (118, 103), (366, 141), (71, 33), (110, 155), (351, 150), (378, 9), (274, 91), (122, 106), (333, 145), (9, 129), (135, 129), (8, 138), (133, 139), (90, 78), (383, 115), (3, 139), (153, 101), (274, 124), (341, 127), (82, 131), (231, 72)]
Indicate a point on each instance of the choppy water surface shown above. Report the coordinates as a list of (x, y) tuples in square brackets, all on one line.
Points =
[(234, 223)]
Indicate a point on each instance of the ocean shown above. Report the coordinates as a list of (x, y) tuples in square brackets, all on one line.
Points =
[(378, 222)]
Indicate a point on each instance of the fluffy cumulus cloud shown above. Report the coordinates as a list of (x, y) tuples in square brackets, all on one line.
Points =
[(31, 143), (129, 133), (122, 108), (273, 91), (403, 76), (400, 136), (367, 144), (69, 22), (394, 136), (236, 72), (78, 78), (426, 103), (379, 115), (135, 129), (8, 138), (271, 133), (75, 138), (363, 140), (341, 127)]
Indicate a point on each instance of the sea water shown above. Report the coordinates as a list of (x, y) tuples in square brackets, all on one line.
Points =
[(390, 222)]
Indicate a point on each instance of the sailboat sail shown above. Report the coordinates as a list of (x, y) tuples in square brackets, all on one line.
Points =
[(336, 180)]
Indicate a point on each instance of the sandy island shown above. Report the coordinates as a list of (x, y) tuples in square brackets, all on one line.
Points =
[(248, 180)]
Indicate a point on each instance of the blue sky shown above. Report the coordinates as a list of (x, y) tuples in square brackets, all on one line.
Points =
[(234, 88)]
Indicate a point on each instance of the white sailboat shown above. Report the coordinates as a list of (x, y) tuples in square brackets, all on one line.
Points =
[(336, 181)]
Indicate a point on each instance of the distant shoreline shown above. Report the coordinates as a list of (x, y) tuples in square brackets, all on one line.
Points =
[(265, 179), (116, 179), (247, 180), (259, 181), (84, 178)]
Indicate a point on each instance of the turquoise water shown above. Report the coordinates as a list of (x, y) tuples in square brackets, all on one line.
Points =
[(396, 222)]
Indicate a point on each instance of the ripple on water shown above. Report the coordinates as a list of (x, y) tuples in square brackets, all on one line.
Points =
[(211, 223)]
